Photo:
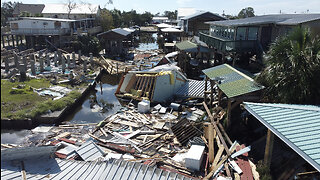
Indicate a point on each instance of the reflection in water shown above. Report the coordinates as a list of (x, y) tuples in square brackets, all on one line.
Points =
[(14, 136), (148, 41), (99, 103)]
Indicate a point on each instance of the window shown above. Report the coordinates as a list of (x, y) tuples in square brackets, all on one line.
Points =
[(241, 33), (14, 26), (57, 24), (252, 33)]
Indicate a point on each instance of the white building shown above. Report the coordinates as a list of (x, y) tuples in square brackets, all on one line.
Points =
[(80, 11), (159, 19)]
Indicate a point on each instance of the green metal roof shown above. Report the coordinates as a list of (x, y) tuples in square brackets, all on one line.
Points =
[(233, 82), (297, 125), (186, 45)]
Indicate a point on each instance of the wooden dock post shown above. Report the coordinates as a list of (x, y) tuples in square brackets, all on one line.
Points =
[(268, 149)]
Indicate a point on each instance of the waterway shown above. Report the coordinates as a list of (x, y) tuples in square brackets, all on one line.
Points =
[(148, 41), (97, 105)]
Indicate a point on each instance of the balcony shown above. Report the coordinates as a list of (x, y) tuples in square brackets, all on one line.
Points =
[(226, 45), (31, 31)]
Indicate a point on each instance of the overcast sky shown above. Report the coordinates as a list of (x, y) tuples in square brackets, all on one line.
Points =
[(232, 7)]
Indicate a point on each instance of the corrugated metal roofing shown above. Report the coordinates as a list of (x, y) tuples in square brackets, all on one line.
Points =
[(89, 151), (190, 47), (192, 88), (199, 13), (70, 169), (120, 31), (171, 29), (233, 82), (280, 19), (296, 125)]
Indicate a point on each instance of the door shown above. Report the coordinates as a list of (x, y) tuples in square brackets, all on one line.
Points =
[(266, 37)]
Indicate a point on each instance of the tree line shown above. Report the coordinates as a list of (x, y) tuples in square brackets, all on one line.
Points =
[(108, 18)]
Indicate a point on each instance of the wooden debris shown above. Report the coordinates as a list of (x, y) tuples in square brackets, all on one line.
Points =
[(184, 131)]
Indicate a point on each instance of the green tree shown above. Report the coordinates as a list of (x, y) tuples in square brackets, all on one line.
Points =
[(106, 20), (6, 11), (293, 69), (89, 44), (246, 12), (171, 14)]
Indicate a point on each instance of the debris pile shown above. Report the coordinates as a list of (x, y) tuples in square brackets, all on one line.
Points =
[(162, 136)]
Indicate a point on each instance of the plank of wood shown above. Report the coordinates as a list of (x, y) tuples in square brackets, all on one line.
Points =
[(216, 128), (226, 167), (211, 142), (223, 160), (142, 82), (95, 137), (224, 133), (23, 172), (128, 123), (217, 158), (146, 86)]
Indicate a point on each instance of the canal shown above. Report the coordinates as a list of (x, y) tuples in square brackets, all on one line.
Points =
[(96, 106)]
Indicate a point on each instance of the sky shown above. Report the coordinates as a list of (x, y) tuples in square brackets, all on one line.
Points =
[(231, 7)]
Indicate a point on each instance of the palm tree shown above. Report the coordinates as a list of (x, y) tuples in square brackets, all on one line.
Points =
[(292, 74)]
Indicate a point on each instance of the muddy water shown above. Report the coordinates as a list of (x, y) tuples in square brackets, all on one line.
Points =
[(87, 112), (99, 103)]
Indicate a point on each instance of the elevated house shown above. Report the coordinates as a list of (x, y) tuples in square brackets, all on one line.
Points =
[(252, 36), (117, 41), (195, 23), (41, 30), (57, 26)]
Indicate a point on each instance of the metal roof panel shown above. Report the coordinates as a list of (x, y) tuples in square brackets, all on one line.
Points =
[(301, 130), (232, 81)]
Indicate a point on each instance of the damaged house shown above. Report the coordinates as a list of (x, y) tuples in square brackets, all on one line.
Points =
[(156, 86), (244, 38)]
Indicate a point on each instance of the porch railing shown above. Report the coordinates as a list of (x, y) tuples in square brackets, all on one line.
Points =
[(226, 45)]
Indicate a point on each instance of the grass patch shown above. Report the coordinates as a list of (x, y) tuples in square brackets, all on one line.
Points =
[(56, 105), (19, 96), (18, 101)]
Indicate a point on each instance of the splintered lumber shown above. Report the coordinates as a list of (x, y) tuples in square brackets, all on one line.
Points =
[(217, 158), (157, 137), (23, 172), (144, 159), (132, 134), (224, 133), (128, 123), (217, 129), (95, 137), (211, 136), (116, 147), (7, 146), (216, 168), (227, 169), (133, 143)]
